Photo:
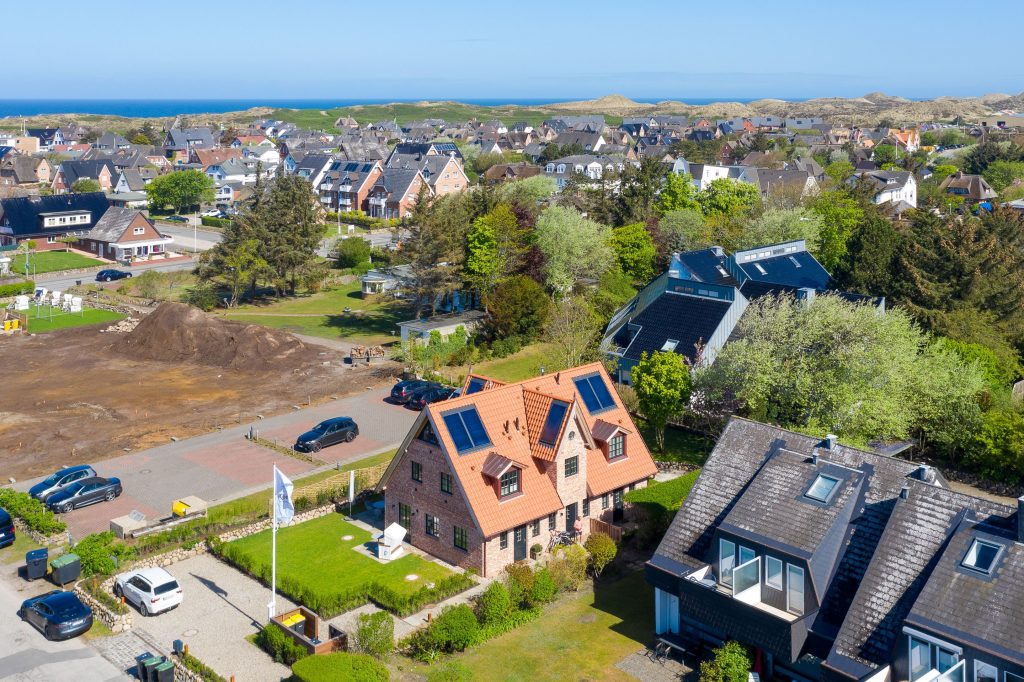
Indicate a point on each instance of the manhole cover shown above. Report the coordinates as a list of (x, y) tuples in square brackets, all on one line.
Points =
[(146, 471), (411, 577), (190, 633), (346, 538)]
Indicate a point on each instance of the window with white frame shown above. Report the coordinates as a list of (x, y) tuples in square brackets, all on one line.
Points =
[(139, 230), (773, 573), (794, 589), (726, 561), (981, 556), (985, 672)]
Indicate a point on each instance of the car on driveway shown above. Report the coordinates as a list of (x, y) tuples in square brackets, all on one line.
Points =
[(61, 479), (327, 432), (403, 390), (57, 614), (7, 532), (83, 493), (111, 275), (424, 397), (151, 590), (176, 219)]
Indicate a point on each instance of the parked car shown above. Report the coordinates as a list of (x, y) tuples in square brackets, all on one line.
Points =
[(176, 219), (213, 213), (403, 390), (61, 479), (152, 590), (57, 614), (111, 275), (328, 432), (424, 397), (83, 493), (7, 532)]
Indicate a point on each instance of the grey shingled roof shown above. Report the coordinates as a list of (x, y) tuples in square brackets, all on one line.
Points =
[(112, 225)]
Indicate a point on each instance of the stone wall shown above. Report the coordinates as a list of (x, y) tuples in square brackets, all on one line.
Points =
[(117, 622), (55, 540)]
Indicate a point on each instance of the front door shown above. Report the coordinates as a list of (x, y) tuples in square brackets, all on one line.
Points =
[(617, 506), (520, 543), (570, 518)]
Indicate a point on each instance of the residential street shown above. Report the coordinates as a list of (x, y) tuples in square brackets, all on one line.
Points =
[(202, 239), (222, 465), (59, 281)]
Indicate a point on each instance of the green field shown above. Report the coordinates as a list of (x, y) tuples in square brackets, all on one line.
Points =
[(44, 322), (680, 445), (322, 314), (314, 555), (521, 365), (52, 261)]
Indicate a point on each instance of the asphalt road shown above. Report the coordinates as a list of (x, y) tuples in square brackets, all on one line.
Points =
[(26, 655), (223, 465), (57, 281), (203, 239)]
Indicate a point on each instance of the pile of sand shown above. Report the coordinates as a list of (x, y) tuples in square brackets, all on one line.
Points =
[(176, 332)]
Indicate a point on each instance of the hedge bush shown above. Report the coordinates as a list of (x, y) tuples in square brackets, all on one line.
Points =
[(360, 218), (281, 646), (520, 585), (375, 634), (30, 510), (602, 551), (93, 587), (454, 629), (655, 506), (340, 667), (199, 668), (493, 605), (544, 587), (569, 568), (24, 287), (102, 553), (211, 221)]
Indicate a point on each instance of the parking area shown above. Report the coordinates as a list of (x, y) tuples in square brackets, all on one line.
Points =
[(221, 608)]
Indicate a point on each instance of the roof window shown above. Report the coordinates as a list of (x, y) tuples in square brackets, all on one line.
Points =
[(553, 423), (466, 430), (981, 556), (760, 269), (670, 345), (476, 384), (594, 392), (822, 488)]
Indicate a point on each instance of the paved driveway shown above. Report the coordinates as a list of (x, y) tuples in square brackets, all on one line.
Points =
[(223, 465), (221, 608)]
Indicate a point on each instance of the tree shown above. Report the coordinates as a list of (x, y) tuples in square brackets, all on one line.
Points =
[(572, 330), (83, 185), (602, 551), (677, 193), (730, 663), (943, 171), (495, 248), (527, 192), (181, 190), (635, 250), (777, 225), (517, 306), (728, 197), (839, 171), (436, 247), (638, 189), (870, 258), (375, 634), (884, 154), (840, 215), (1001, 174), (573, 247), (682, 230), (352, 252), (614, 289), (662, 385)]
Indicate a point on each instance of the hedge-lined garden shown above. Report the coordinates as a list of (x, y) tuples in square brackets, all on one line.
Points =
[(14, 289), (363, 220), (30, 510)]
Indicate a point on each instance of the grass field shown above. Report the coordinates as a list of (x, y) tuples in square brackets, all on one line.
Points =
[(322, 314), (581, 637), (16, 552), (680, 445), (52, 261), (63, 320), (516, 367), (315, 554)]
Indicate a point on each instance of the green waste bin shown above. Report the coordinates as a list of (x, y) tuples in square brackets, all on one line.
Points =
[(146, 668), (163, 672), (65, 569)]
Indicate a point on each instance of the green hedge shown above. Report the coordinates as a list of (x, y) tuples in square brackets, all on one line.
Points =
[(656, 505), (93, 587), (30, 510), (210, 221), (360, 218), (341, 667), (199, 668), (24, 287), (329, 604), (282, 647), (102, 553)]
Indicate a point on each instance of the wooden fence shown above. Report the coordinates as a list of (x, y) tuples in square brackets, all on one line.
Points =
[(611, 530)]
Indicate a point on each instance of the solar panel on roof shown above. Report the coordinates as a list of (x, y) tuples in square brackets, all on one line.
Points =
[(553, 423), (476, 384), (475, 428), (466, 430), (457, 430), (594, 392)]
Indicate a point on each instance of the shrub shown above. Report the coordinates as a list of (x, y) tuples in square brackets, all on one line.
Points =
[(202, 296), (280, 645), (451, 671), (102, 553), (504, 347), (199, 668), (514, 619), (569, 567), (375, 634), (112, 603), (211, 221), (340, 667), (602, 550), (493, 605), (352, 252), (544, 587), (455, 628), (520, 585), (25, 287), (655, 506), (30, 510), (360, 218), (730, 663)]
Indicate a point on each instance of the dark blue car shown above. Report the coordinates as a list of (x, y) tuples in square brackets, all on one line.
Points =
[(57, 614), (329, 432), (83, 493), (110, 275), (7, 532)]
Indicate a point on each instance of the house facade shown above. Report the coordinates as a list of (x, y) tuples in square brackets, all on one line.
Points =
[(394, 193), (890, 187), (482, 478), (124, 234), (837, 564), (46, 220)]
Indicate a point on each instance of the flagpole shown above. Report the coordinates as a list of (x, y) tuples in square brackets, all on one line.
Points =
[(273, 554)]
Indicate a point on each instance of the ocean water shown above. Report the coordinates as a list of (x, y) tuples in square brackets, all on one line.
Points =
[(152, 108)]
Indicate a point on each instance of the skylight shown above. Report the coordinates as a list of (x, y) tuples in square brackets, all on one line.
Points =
[(760, 269), (466, 430), (821, 489), (594, 392), (670, 345), (553, 424), (476, 384), (981, 556)]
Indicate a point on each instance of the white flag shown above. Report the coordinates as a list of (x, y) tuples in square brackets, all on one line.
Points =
[(284, 510)]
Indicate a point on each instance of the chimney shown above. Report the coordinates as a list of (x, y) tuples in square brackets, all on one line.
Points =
[(926, 474), (904, 492), (831, 440), (1020, 519), (814, 458)]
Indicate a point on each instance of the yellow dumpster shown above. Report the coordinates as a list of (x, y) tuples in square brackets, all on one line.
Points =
[(180, 508), (7, 325), (15, 324), (293, 620)]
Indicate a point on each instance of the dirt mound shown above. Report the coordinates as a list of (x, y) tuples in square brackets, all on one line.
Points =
[(176, 332)]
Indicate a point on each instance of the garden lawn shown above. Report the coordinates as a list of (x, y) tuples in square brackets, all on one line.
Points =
[(680, 445), (313, 554), (524, 364), (580, 637), (52, 261), (63, 320)]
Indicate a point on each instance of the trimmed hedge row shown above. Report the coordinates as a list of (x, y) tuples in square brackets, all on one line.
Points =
[(199, 668), (30, 510), (211, 221), (340, 667), (24, 287), (330, 603), (281, 647), (360, 218)]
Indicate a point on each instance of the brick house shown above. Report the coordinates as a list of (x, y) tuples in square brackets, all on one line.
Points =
[(70, 172), (347, 185), (394, 193), (124, 233), (482, 478)]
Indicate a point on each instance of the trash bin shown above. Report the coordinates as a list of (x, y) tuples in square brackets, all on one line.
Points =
[(139, 670), (163, 672), (35, 563), (180, 508), (146, 669), (65, 569)]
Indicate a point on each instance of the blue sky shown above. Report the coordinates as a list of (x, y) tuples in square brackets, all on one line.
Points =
[(526, 49)]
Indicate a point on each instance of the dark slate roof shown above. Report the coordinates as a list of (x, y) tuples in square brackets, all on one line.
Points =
[(77, 170), (686, 319), (22, 214), (903, 557), (704, 265), (397, 181), (798, 269), (112, 225)]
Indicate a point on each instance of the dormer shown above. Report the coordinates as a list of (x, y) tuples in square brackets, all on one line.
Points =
[(506, 476), (611, 438)]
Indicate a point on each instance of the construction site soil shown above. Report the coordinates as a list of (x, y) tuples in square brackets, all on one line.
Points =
[(79, 395)]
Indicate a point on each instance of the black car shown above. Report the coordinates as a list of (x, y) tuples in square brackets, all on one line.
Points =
[(6, 529), (424, 397), (111, 275), (403, 390), (83, 493), (176, 219), (328, 432), (57, 614)]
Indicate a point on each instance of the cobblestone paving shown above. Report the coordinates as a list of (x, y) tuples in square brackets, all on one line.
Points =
[(639, 665)]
